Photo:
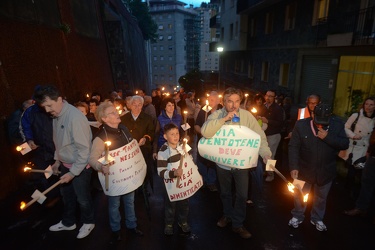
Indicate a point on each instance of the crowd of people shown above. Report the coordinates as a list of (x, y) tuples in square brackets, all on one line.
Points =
[(71, 139)]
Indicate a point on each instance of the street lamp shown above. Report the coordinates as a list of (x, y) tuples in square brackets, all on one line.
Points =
[(219, 50)]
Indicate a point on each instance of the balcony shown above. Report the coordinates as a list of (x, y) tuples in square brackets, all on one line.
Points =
[(251, 6), (348, 29)]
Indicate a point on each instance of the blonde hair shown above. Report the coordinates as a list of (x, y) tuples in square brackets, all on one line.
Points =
[(100, 111)]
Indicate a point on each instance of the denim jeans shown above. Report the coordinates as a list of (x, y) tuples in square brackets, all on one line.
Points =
[(319, 202), (181, 207), (367, 184), (77, 191), (208, 173), (237, 211), (114, 212)]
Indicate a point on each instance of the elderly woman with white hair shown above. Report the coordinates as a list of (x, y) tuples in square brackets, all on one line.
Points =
[(119, 135)]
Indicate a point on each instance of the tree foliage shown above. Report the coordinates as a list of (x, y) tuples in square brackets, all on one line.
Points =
[(141, 11)]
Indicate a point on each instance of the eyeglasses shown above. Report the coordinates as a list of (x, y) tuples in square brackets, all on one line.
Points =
[(112, 113)]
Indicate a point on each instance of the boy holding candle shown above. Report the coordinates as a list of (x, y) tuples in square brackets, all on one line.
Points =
[(168, 154)]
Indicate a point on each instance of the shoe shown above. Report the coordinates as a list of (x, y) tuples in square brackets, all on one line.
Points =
[(136, 231), (242, 232), (223, 222), (60, 227), (212, 187), (270, 177), (185, 227), (85, 230), (115, 237), (294, 222), (319, 225), (355, 212), (168, 230)]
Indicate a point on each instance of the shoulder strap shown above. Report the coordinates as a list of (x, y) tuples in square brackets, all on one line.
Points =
[(354, 123)]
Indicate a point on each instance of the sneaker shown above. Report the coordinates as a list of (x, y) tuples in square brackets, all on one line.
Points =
[(294, 222), (270, 177), (60, 227), (223, 222), (319, 225), (168, 230), (185, 227), (85, 230), (242, 232)]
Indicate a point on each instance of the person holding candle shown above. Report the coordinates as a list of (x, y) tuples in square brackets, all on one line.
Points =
[(168, 115), (234, 212), (72, 139), (207, 168), (118, 135), (313, 150), (169, 153)]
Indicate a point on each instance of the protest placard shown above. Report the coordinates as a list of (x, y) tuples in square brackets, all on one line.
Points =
[(232, 146), (128, 171)]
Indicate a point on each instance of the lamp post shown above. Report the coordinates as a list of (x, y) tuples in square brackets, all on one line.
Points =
[(219, 50)]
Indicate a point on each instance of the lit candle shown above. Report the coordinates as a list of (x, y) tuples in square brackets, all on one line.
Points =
[(136, 92), (29, 170), (244, 105), (185, 117), (254, 110), (87, 95), (19, 148), (106, 150), (25, 205)]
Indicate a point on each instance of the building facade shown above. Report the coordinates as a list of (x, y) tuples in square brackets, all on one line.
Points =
[(299, 48), (177, 49)]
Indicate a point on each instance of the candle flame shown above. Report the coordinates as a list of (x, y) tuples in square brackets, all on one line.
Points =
[(208, 95), (246, 95), (220, 96), (185, 112), (198, 99), (87, 95), (118, 107), (254, 110), (26, 169), (185, 140), (19, 148), (108, 143), (290, 187), (305, 197), (162, 88), (23, 205), (136, 92)]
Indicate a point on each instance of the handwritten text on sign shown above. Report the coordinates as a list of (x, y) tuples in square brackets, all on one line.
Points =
[(128, 171), (232, 146), (190, 181)]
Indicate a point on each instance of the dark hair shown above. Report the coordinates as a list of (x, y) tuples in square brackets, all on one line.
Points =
[(259, 96), (43, 92), (233, 91), (165, 102), (94, 100), (363, 106), (169, 126)]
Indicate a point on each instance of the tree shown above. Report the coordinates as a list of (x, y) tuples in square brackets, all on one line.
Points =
[(141, 11), (192, 81)]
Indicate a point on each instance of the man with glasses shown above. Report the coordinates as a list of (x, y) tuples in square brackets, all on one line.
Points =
[(72, 139), (274, 118)]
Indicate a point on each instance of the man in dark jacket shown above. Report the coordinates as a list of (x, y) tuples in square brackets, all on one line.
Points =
[(313, 149)]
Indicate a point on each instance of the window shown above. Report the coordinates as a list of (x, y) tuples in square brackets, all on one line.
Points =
[(170, 58), (155, 58), (162, 77), (155, 77), (290, 16), (155, 48), (161, 58), (170, 68), (284, 74), (161, 47), (162, 67), (250, 70), (161, 38), (265, 68), (320, 11), (169, 38), (222, 34), (170, 78), (155, 67), (161, 27), (170, 26), (269, 23), (252, 27), (231, 31), (170, 47)]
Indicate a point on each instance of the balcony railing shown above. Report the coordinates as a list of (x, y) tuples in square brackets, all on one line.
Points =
[(360, 24)]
